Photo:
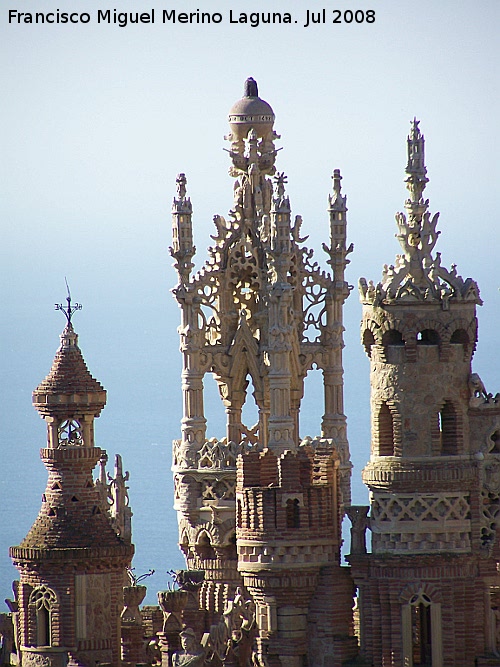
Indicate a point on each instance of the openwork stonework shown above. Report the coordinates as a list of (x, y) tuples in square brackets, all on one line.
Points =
[(259, 315), (260, 506), (423, 523)]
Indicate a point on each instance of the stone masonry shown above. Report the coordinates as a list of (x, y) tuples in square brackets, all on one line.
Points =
[(428, 592), (72, 562)]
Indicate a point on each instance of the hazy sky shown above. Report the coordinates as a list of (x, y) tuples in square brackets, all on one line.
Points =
[(97, 120)]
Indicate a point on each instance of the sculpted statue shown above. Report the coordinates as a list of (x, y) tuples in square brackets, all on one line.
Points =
[(358, 514), (191, 654), (476, 386)]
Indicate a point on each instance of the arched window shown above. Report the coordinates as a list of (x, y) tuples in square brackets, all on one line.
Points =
[(292, 513), (422, 633), (495, 439), (42, 601), (460, 337), (368, 341), (392, 337), (385, 431), (204, 548), (448, 429), (428, 337)]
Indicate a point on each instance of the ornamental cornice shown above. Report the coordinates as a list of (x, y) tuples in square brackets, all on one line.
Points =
[(117, 556), (426, 472)]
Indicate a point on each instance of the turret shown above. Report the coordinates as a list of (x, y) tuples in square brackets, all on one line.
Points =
[(431, 546), (73, 560), (182, 230)]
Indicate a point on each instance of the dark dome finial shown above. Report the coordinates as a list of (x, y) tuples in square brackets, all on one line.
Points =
[(251, 89)]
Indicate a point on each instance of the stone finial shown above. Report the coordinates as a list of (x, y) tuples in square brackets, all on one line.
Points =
[(417, 273), (251, 88), (415, 168), (337, 202), (182, 249), (181, 182), (120, 510)]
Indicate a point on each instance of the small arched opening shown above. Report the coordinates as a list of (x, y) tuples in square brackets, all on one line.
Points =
[(392, 337), (204, 548), (428, 337), (448, 428), (385, 431), (460, 337), (292, 513), (368, 341)]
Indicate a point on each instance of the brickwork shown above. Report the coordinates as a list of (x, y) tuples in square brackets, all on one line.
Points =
[(425, 592), (262, 507), (72, 562), (288, 526)]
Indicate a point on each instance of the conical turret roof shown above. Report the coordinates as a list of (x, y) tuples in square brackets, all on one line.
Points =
[(69, 385)]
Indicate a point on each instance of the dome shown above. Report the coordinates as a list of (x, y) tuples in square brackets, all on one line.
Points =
[(251, 112)]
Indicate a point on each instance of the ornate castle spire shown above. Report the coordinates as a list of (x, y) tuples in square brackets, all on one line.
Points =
[(259, 315), (417, 273)]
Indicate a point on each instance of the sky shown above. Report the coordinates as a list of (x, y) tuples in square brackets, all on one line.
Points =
[(97, 121)]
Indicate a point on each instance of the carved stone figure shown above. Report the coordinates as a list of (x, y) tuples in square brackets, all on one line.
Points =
[(191, 654), (358, 514)]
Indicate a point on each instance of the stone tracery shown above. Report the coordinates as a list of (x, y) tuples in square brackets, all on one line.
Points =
[(258, 314)]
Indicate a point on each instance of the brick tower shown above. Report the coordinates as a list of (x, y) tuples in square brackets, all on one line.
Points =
[(72, 561), (259, 316), (428, 592)]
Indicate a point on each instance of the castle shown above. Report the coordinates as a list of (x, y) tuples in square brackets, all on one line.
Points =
[(260, 508)]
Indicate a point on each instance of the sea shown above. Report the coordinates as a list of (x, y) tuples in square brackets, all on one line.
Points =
[(137, 360)]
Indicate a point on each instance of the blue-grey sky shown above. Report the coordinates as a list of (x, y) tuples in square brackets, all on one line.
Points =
[(97, 120)]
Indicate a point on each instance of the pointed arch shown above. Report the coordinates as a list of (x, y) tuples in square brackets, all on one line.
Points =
[(204, 549), (422, 625), (42, 605)]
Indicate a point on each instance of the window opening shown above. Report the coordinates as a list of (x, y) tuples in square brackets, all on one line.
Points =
[(292, 513), (421, 631), (392, 337), (204, 548), (385, 431), (448, 428), (428, 337)]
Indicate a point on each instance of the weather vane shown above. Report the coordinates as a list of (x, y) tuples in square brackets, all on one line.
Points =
[(69, 309)]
